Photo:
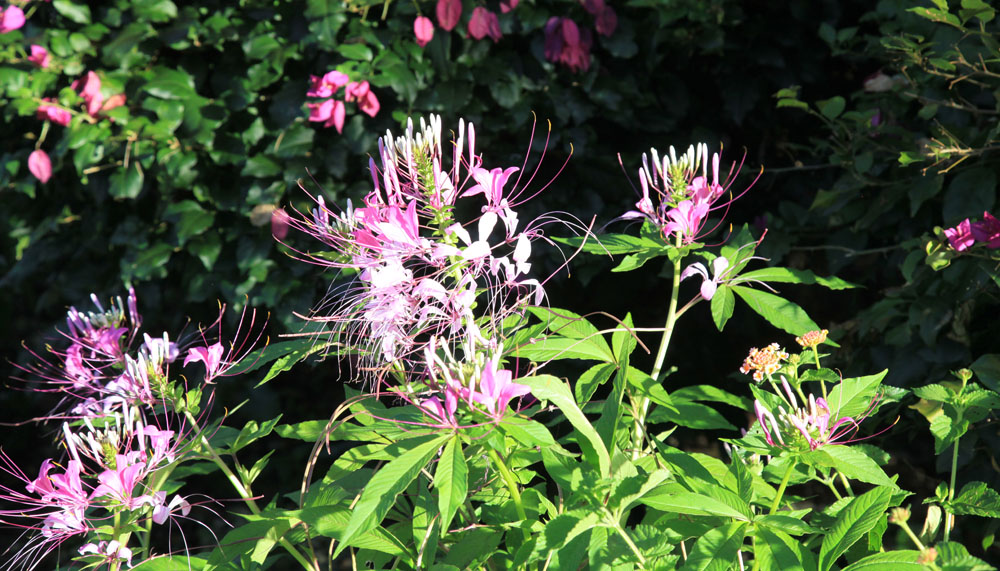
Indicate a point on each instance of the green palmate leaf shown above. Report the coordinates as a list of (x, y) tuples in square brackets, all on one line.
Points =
[(853, 396), (381, 491), (778, 311), (612, 244), (172, 563), (976, 498), (549, 388), (638, 260), (649, 388), (451, 480), (860, 515), (623, 341), (716, 550), (788, 275), (850, 462), (591, 379), (607, 425), (778, 550), (272, 352), (691, 503), (528, 432), (331, 520), (903, 560), (555, 347), (723, 304)]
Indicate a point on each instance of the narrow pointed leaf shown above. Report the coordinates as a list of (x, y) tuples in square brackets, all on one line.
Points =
[(778, 311), (381, 491), (451, 481), (788, 275), (852, 523), (547, 387), (716, 550)]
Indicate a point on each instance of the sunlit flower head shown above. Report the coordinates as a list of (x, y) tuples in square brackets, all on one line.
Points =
[(764, 362), (812, 339)]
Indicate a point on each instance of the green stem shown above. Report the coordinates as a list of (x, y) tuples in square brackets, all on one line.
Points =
[(913, 536), (243, 491), (822, 383), (781, 488), (661, 355), (846, 483), (511, 483), (631, 545), (949, 518)]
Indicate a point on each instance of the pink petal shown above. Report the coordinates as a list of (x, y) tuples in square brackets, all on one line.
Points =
[(39, 56), (448, 13), (423, 29), (40, 165), (11, 19)]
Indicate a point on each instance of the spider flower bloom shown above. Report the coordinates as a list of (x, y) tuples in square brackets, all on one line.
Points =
[(812, 425), (419, 272), (685, 193), (764, 362)]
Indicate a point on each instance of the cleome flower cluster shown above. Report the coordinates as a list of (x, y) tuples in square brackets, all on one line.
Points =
[(429, 291), (126, 423)]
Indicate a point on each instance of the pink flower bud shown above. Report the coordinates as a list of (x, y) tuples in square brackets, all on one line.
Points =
[(508, 5), (40, 165), (423, 29), (39, 56), (11, 19), (448, 13)]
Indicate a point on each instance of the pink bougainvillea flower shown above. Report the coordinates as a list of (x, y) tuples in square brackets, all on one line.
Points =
[(52, 113), (484, 23), (90, 89), (606, 22), (508, 5), (326, 85), (960, 236), (565, 43), (330, 111), (987, 231), (11, 19), (39, 56), (116, 100), (423, 29), (593, 7), (361, 92), (40, 165), (448, 13)]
